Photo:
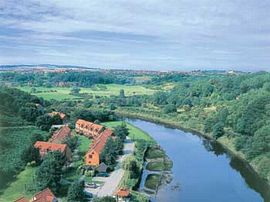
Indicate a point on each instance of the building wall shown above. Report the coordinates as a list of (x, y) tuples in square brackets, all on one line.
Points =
[(92, 158), (87, 132), (68, 154)]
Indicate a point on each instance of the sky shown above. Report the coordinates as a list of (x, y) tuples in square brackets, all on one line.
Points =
[(139, 34)]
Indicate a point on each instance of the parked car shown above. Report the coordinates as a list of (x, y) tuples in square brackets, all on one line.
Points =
[(102, 175), (91, 185)]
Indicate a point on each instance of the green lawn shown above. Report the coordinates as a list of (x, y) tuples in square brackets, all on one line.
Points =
[(62, 93), (134, 132), (16, 189), (84, 143)]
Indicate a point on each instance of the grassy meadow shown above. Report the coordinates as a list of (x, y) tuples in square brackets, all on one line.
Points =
[(84, 144), (134, 132), (63, 93)]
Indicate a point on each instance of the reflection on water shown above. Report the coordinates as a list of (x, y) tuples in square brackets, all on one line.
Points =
[(203, 170), (250, 177)]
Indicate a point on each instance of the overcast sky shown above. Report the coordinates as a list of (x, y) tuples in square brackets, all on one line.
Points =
[(141, 34)]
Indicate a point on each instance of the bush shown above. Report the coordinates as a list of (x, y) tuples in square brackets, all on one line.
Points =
[(218, 130), (170, 108), (105, 199), (76, 191)]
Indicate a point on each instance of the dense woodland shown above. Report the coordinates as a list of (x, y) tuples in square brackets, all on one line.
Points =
[(82, 79)]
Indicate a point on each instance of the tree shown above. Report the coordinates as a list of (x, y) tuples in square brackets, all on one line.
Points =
[(33, 90), (112, 107), (76, 191), (49, 172), (122, 98), (46, 121), (160, 98), (132, 165), (118, 144), (218, 130), (121, 131), (30, 113), (71, 142), (222, 115), (31, 154), (266, 86), (208, 124), (108, 154), (259, 143), (122, 93), (105, 199), (75, 90), (87, 103), (170, 108)]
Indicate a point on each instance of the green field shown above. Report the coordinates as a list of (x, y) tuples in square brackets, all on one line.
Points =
[(16, 189), (134, 132), (63, 93), (84, 144)]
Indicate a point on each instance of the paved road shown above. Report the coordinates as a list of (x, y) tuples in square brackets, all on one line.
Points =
[(112, 182)]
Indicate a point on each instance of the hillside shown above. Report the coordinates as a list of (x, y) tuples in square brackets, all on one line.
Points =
[(233, 109), (19, 111)]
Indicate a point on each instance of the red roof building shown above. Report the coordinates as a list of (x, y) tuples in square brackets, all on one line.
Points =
[(22, 199), (61, 114), (45, 195), (92, 157), (45, 147), (123, 193), (88, 128), (60, 135)]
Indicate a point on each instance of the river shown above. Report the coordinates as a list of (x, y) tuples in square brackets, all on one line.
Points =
[(205, 171)]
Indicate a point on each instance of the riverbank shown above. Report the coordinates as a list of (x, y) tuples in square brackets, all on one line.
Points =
[(146, 150), (225, 142)]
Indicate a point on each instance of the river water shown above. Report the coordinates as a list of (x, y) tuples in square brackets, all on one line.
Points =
[(205, 171)]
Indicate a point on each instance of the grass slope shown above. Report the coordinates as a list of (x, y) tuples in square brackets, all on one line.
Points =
[(16, 189)]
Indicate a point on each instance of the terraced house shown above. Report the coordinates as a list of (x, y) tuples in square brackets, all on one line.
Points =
[(60, 135), (99, 135), (88, 129), (92, 157)]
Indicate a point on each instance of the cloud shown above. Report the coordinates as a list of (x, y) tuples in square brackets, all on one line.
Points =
[(158, 34)]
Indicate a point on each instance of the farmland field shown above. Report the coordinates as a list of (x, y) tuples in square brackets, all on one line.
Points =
[(63, 93)]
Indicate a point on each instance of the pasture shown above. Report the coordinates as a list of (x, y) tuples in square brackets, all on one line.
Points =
[(63, 93)]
